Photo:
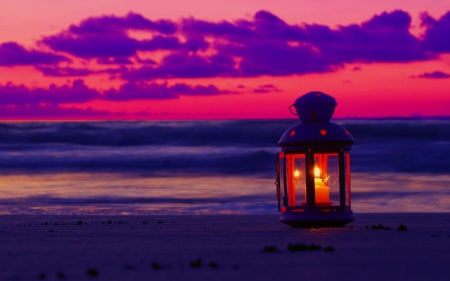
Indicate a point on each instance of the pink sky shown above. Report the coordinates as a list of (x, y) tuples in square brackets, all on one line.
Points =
[(221, 59)]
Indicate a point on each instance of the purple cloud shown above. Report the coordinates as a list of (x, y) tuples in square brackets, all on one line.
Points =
[(136, 91), (267, 88), (64, 71), (12, 54), (51, 111), (143, 91), (184, 89), (113, 25), (106, 36), (278, 59), (114, 60), (93, 46), (58, 71), (21, 95), (269, 46), (78, 92), (241, 29), (436, 38), (384, 38), (435, 75), (185, 65), (264, 45)]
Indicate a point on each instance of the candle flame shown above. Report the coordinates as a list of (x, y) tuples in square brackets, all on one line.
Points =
[(296, 174), (316, 172)]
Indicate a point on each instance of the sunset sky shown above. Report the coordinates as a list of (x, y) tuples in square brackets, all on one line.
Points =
[(235, 59)]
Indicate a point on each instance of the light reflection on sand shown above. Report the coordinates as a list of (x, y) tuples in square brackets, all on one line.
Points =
[(115, 193)]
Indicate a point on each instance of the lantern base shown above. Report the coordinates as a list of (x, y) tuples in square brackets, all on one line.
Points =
[(317, 219)]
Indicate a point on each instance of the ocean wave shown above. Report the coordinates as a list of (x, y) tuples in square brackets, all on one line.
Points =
[(227, 147)]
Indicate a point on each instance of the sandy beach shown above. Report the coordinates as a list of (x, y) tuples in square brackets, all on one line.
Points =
[(222, 247)]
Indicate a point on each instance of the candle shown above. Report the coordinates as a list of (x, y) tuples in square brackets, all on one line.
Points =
[(322, 191)]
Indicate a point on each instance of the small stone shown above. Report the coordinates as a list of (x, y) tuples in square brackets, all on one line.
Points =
[(61, 275), (79, 223), (303, 247), (160, 222), (270, 249), (144, 222), (196, 264), (156, 266), (402, 227), (45, 223), (120, 222), (213, 265), (329, 249), (109, 222), (42, 276), (51, 230), (129, 267), (92, 272), (367, 227)]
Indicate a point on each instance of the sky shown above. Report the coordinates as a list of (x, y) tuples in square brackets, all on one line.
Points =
[(197, 59)]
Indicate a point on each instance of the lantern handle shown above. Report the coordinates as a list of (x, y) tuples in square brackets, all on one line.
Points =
[(291, 110)]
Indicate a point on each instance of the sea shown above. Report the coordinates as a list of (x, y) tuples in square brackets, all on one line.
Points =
[(207, 167)]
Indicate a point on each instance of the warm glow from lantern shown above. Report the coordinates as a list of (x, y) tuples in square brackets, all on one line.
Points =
[(296, 174)]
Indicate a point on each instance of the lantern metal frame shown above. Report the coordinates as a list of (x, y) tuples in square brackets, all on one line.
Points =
[(315, 136), (344, 181)]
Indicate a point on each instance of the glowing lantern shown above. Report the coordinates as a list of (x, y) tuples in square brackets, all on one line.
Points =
[(313, 169)]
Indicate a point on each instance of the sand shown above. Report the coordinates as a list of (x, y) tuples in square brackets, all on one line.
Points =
[(222, 247)]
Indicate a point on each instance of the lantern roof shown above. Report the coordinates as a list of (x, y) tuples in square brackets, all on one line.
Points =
[(315, 106), (316, 132)]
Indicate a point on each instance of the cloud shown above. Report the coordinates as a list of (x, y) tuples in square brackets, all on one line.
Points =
[(198, 90), (78, 92), (112, 25), (51, 112), (383, 38), (12, 54), (436, 37), (269, 46), (106, 36), (263, 45), (144, 91), (185, 65), (435, 75), (71, 71), (279, 59), (64, 71), (266, 88), (93, 46), (20, 95)]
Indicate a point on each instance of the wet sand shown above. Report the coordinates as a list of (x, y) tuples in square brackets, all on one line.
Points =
[(222, 247)]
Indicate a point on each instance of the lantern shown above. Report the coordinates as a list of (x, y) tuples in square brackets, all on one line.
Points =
[(313, 169)]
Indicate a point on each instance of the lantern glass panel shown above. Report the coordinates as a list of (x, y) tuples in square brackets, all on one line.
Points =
[(280, 176), (326, 179), (347, 178), (296, 179)]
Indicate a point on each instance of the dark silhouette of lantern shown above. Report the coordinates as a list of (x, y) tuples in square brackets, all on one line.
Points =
[(313, 169)]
